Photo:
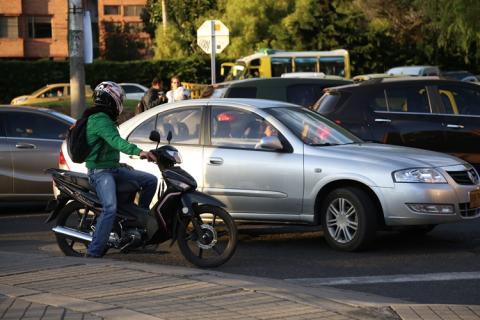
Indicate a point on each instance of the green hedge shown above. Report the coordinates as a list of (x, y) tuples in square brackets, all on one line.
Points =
[(23, 77)]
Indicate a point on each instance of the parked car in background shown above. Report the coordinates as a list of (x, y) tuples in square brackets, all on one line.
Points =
[(415, 71), (30, 140), (427, 112), (133, 91), (460, 76), (302, 91), (49, 93), (370, 76), (274, 161)]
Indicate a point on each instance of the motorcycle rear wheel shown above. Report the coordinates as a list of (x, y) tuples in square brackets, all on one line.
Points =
[(74, 216), (218, 242)]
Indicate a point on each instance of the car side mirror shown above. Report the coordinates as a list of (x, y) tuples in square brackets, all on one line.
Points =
[(270, 143), (154, 136)]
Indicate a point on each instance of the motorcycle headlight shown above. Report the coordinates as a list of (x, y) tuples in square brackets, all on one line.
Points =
[(418, 175), (179, 184)]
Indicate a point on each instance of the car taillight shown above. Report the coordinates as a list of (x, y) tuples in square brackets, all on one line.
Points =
[(62, 163), (338, 121)]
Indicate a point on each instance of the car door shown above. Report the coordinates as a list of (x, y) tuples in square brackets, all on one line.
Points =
[(249, 180), (401, 115), (35, 140), (460, 104), (186, 128), (6, 168)]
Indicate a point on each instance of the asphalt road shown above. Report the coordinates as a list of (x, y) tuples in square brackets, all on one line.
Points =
[(442, 267)]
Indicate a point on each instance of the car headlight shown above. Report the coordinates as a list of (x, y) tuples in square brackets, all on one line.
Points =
[(418, 175), (19, 100)]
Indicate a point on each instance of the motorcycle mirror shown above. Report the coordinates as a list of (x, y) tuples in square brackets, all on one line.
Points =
[(154, 136), (169, 136)]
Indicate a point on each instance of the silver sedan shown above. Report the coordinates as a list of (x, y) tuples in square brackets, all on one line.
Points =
[(277, 162)]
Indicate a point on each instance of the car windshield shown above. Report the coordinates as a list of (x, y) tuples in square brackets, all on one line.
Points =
[(34, 93), (312, 128)]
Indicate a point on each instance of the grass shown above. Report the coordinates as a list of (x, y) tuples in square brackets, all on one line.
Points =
[(64, 107)]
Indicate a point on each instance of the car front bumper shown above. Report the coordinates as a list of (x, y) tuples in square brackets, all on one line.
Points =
[(395, 202)]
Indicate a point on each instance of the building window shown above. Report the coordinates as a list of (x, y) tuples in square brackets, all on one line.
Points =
[(111, 10), (8, 27), (132, 10), (39, 27)]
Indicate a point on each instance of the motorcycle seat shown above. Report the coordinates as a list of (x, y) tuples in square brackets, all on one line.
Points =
[(81, 180)]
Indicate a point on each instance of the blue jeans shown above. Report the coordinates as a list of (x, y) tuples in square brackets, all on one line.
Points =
[(104, 181)]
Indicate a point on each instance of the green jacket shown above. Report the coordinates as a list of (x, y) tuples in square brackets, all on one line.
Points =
[(101, 128)]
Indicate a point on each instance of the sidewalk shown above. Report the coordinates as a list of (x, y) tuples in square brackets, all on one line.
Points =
[(40, 286)]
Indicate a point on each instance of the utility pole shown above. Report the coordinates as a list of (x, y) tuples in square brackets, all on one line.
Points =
[(164, 16), (76, 54)]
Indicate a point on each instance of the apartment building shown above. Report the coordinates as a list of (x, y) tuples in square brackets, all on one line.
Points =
[(32, 29), (122, 16), (35, 29)]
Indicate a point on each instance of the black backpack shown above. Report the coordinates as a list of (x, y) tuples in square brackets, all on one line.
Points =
[(77, 146)]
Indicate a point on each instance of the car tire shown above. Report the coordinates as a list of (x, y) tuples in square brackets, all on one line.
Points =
[(349, 219)]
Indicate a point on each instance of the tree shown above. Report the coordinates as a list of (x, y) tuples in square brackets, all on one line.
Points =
[(184, 17), (456, 25)]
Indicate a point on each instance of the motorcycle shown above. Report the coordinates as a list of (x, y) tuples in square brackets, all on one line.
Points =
[(205, 232)]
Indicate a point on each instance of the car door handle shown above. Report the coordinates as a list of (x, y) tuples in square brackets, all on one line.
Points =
[(25, 146), (216, 161), (383, 120), (455, 126)]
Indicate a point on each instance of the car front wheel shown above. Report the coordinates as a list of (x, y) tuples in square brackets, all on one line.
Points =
[(348, 217)]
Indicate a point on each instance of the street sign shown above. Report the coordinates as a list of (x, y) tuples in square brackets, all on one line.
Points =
[(219, 32)]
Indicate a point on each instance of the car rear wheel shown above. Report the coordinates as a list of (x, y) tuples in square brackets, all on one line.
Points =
[(348, 217)]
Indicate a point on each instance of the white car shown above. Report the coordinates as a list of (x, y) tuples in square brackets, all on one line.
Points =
[(309, 171), (133, 91)]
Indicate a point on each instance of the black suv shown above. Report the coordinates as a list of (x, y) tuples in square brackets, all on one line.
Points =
[(427, 112), (302, 91)]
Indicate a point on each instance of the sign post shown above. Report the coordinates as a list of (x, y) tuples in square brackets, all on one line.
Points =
[(213, 37)]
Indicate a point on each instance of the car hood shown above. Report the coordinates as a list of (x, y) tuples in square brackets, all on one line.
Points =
[(394, 156)]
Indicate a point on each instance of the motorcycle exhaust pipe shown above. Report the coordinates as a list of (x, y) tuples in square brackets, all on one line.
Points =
[(72, 233)]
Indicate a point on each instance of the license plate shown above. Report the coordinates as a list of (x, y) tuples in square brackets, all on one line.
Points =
[(474, 199)]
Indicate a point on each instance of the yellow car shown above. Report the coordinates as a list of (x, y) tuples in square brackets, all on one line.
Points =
[(49, 93)]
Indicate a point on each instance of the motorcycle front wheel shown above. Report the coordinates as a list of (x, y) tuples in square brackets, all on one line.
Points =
[(75, 216), (217, 241)]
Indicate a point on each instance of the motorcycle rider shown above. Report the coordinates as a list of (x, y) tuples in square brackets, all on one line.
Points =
[(104, 169)]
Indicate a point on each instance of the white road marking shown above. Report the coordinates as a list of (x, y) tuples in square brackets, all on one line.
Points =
[(396, 278)]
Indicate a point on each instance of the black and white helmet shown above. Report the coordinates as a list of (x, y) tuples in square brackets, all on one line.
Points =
[(110, 94)]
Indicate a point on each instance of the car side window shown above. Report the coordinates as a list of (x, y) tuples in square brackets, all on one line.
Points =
[(377, 101), (183, 123), (460, 100), (141, 133), (238, 128), (132, 89), (412, 99), (34, 126)]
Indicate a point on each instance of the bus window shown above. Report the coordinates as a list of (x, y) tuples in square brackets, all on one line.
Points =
[(333, 66), (280, 66), (307, 64)]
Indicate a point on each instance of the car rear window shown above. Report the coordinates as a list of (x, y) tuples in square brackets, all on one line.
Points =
[(328, 102), (242, 92)]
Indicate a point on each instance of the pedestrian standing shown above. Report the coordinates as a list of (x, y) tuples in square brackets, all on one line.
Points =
[(177, 92), (153, 97)]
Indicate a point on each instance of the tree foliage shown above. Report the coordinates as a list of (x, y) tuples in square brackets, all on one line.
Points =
[(379, 34)]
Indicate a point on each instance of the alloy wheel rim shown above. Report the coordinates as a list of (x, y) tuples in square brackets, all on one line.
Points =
[(342, 220)]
